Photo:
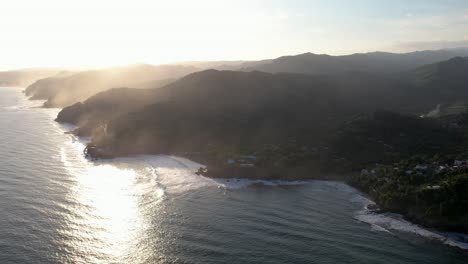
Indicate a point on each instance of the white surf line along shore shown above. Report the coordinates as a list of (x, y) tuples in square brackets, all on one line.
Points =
[(176, 174), (388, 222)]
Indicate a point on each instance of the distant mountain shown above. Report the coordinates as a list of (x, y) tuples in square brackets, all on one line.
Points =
[(24, 77), (444, 85), (450, 75), (224, 65), (61, 91), (374, 62)]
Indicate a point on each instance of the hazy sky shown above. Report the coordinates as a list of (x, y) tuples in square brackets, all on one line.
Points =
[(92, 33)]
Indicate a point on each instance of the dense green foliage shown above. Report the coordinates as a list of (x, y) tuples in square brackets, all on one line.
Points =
[(386, 137), (429, 195)]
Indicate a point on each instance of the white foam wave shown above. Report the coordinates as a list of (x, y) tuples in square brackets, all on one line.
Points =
[(177, 174), (172, 174), (144, 178), (235, 183), (387, 222), (166, 173), (161, 174), (457, 240), (379, 229)]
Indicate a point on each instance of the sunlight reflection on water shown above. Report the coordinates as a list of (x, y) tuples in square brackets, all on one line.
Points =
[(109, 218), (58, 207)]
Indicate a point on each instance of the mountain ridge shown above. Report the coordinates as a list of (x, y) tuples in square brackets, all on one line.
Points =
[(360, 127)]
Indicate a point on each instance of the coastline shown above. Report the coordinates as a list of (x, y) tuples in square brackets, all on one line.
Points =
[(379, 220), (220, 171), (215, 170)]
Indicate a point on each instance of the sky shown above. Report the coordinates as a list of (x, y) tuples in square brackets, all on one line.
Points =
[(101, 33)]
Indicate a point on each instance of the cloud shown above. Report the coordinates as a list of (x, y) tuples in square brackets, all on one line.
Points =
[(430, 45)]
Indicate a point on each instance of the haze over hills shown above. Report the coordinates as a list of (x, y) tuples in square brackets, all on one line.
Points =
[(312, 106), (105, 106), (224, 65), (61, 91), (312, 115), (246, 93), (295, 124), (234, 131), (25, 77), (357, 92)]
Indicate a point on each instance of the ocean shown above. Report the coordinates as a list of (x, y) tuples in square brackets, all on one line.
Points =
[(56, 206)]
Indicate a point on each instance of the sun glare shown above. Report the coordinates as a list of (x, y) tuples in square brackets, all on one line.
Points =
[(104, 33), (111, 212), (108, 218)]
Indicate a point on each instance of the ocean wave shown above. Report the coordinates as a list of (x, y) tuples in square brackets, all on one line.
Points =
[(160, 175), (377, 228), (177, 174), (388, 222), (235, 183), (174, 175)]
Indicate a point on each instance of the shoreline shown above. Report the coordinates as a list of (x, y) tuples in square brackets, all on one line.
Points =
[(214, 170), (386, 219), (222, 172)]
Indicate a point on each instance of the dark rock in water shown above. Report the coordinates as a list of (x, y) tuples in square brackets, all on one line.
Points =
[(201, 171), (372, 207)]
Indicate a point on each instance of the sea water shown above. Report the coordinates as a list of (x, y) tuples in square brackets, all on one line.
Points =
[(56, 206)]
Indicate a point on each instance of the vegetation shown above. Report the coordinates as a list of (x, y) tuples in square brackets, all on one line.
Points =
[(293, 126), (422, 191), (415, 166)]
